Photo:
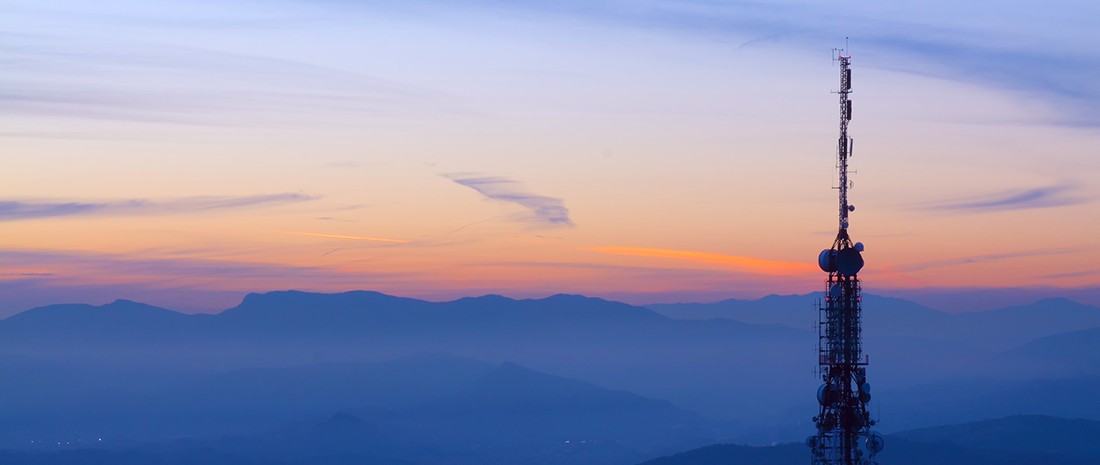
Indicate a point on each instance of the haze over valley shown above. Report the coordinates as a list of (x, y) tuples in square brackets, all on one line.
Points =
[(294, 376)]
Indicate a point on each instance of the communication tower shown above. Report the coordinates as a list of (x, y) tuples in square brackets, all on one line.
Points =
[(844, 435)]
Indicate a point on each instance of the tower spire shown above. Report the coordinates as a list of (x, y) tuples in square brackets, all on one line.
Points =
[(844, 435)]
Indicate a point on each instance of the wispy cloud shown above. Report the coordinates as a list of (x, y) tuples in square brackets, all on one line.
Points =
[(1073, 274), (166, 268), (1060, 78), (541, 210), (352, 238), (15, 210), (1040, 197), (744, 264), (65, 74), (912, 37), (985, 258)]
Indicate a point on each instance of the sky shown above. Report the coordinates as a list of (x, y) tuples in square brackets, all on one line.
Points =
[(184, 153)]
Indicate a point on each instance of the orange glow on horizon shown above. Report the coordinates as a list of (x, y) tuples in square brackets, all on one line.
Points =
[(746, 264)]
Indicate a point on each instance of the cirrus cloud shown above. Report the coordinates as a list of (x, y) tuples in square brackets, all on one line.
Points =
[(541, 210), (1020, 199), (16, 210)]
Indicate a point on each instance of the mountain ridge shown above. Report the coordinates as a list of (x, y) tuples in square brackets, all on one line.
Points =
[(1014, 440)]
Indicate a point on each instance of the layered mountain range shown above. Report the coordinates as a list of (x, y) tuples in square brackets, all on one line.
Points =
[(564, 379)]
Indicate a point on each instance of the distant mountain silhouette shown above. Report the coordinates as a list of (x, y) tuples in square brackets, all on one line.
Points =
[(726, 454), (134, 457), (1019, 324), (341, 438), (1023, 440), (1020, 433), (511, 414), (128, 370), (964, 400), (898, 452), (795, 310), (514, 390), (996, 329), (610, 343), (53, 399), (427, 408), (507, 414), (330, 386), (301, 312), (345, 439), (1076, 353), (513, 403), (121, 318)]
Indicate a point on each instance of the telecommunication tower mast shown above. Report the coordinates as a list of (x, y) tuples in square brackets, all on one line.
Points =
[(844, 435)]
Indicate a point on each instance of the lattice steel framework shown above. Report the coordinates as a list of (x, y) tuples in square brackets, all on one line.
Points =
[(844, 435)]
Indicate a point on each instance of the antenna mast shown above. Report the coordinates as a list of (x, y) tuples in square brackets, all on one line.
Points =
[(844, 435)]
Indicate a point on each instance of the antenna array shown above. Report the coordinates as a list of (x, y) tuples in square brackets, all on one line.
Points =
[(844, 435)]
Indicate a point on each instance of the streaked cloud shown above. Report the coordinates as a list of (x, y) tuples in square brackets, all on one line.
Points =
[(51, 75), (183, 265), (1021, 199), (1073, 274), (921, 38), (16, 210), (985, 258), (744, 264), (541, 210), (352, 238)]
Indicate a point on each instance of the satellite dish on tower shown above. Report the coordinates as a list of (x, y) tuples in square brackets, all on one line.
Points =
[(827, 260), (849, 262)]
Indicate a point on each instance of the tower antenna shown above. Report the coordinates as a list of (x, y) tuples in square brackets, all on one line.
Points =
[(844, 435)]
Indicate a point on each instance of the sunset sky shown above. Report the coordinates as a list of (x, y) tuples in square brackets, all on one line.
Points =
[(183, 153)]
